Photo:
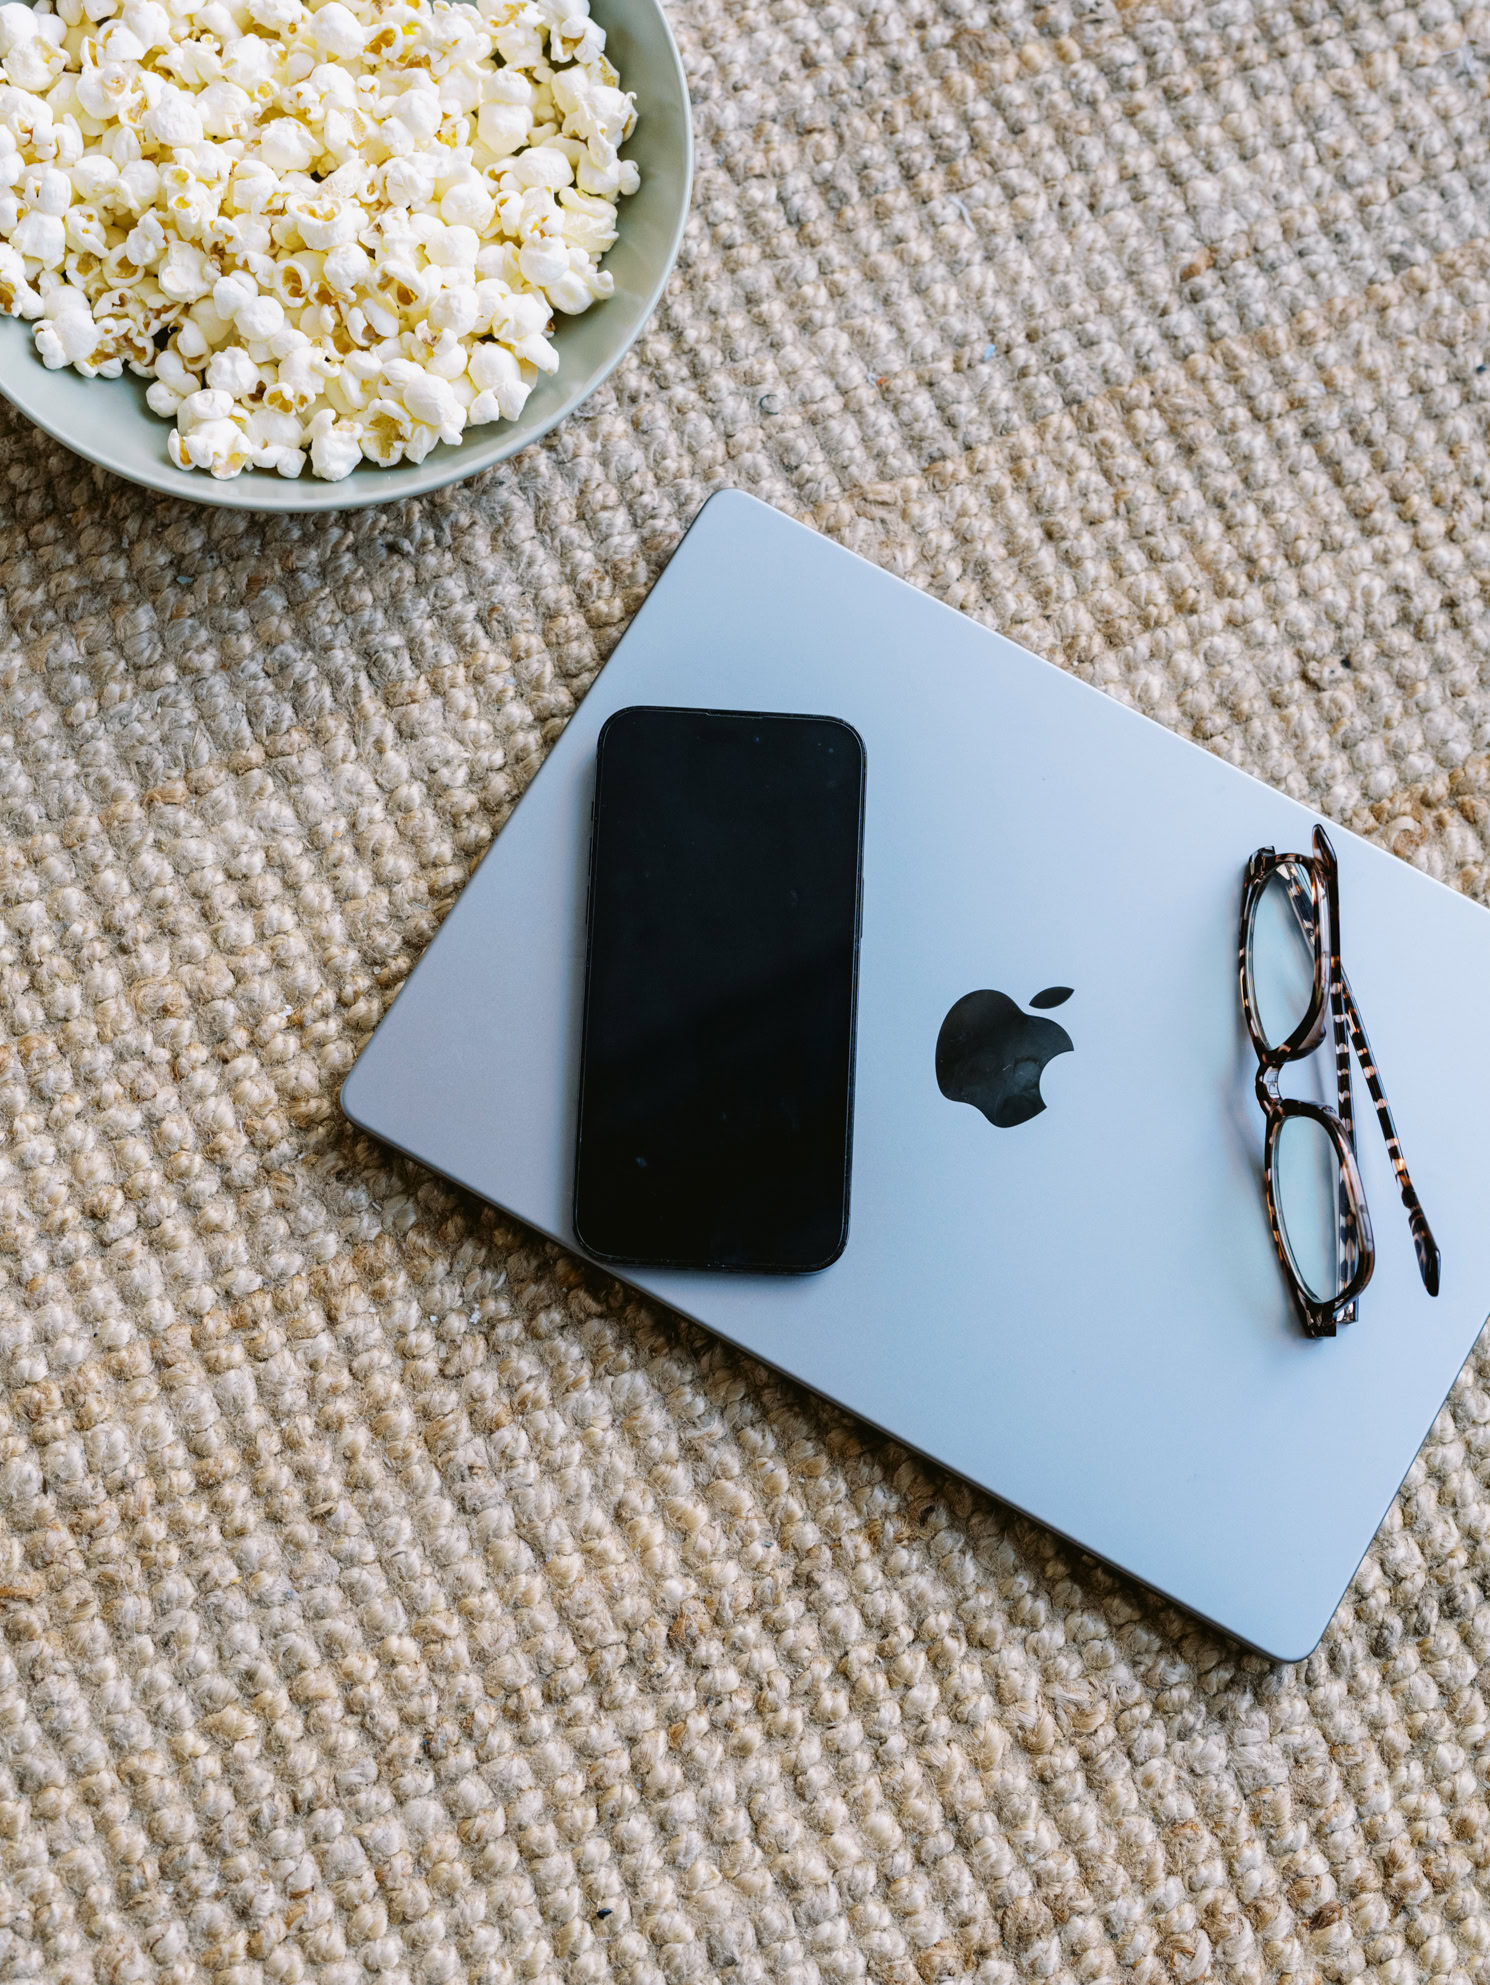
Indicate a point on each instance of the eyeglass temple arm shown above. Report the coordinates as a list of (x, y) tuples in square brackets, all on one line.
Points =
[(1302, 904), (1422, 1234), (1424, 1245), (1345, 1094)]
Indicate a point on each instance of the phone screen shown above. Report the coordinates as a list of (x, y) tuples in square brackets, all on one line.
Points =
[(716, 1088)]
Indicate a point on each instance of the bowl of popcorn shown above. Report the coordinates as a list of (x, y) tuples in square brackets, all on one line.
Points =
[(314, 254)]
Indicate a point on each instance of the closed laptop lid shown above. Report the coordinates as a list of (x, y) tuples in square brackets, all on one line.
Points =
[(1082, 1311)]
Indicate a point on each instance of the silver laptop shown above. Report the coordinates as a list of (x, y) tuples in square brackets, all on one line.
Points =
[(1083, 1313)]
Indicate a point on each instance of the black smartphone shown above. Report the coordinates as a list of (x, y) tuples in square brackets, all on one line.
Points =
[(717, 1067)]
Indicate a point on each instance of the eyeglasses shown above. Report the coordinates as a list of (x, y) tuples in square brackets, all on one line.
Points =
[(1291, 975)]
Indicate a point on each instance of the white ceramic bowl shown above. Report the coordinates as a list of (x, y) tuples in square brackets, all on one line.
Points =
[(107, 421)]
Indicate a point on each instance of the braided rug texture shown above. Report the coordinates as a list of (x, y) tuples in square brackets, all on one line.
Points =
[(383, 1594)]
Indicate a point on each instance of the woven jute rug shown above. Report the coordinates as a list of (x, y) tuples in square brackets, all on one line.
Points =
[(381, 1592)]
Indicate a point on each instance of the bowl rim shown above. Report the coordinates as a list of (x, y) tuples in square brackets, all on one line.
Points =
[(300, 497)]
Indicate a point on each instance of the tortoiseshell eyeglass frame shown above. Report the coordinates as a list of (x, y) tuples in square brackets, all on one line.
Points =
[(1318, 912)]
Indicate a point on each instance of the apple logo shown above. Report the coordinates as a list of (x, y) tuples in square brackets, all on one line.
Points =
[(992, 1054)]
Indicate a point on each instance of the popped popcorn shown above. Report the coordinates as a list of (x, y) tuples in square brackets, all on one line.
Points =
[(326, 234)]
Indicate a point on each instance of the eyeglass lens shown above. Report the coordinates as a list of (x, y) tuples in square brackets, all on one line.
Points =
[(1309, 1193), (1281, 954)]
